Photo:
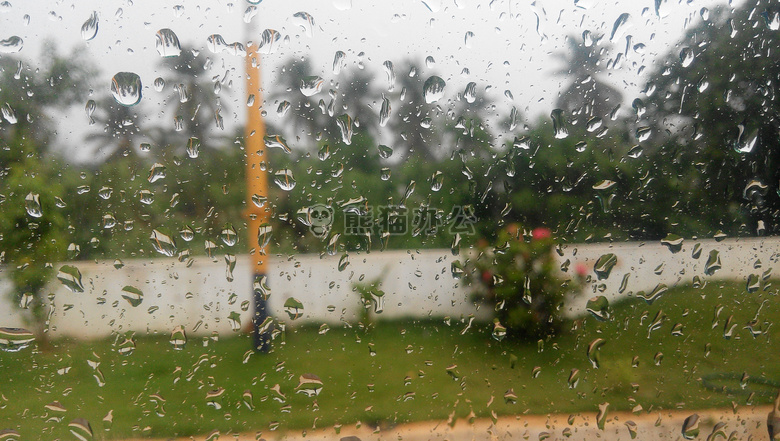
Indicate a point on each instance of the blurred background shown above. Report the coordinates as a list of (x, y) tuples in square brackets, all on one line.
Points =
[(579, 197)]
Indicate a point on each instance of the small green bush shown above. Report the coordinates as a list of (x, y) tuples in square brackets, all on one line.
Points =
[(517, 275)]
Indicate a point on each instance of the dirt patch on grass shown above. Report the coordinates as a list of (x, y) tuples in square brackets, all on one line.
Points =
[(744, 423)]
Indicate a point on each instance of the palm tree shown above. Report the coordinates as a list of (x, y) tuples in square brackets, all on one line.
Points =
[(586, 95), (195, 102), (120, 129)]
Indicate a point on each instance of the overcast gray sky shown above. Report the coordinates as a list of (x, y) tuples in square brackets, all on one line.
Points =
[(511, 49)]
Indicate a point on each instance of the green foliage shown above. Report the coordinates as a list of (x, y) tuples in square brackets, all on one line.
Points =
[(717, 120), (31, 245), (33, 238), (516, 275)]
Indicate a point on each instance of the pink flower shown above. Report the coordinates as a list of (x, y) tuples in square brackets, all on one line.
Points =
[(541, 233), (581, 269)]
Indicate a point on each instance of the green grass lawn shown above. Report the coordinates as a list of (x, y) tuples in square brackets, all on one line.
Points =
[(394, 373)]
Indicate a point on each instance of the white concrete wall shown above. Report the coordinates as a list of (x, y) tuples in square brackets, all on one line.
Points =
[(417, 284), (640, 260)]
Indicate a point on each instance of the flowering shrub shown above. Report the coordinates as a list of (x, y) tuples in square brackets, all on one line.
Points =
[(517, 276)]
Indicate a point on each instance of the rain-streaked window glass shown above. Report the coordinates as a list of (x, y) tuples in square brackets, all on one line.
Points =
[(350, 220)]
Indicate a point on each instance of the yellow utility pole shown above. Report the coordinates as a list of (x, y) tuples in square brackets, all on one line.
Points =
[(256, 184)]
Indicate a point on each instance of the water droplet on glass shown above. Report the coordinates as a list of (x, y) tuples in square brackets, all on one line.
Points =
[(193, 147), (470, 93), (437, 181), (210, 248), (385, 151), (560, 129), (344, 123), (163, 243), (284, 179), (146, 197), (11, 45), (228, 235), (156, 172), (690, 427), (126, 88), (269, 41), (601, 416), (659, 290), (598, 307), (433, 89), (230, 266), (311, 85), (593, 351), (605, 194), (753, 283), (178, 338), (26, 300), (81, 429), (70, 276), (746, 140), (643, 133), (234, 318), (510, 397), (259, 201), (384, 174), (673, 242), (499, 330), (283, 108), (293, 307), (632, 428), (713, 263), (305, 21), (264, 234), (639, 107), (216, 43), (389, 74), (635, 152), (696, 252), (133, 295), (126, 347), (250, 12), (343, 262), (248, 399), (772, 20), (593, 124), (32, 205), (8, 113), (15, 339), (276, 142), (309, 385), (167, 43), (604, 265), (620, 27), (159, 84), (718, 431), (339, 62), (468, 39), (384, 112)]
